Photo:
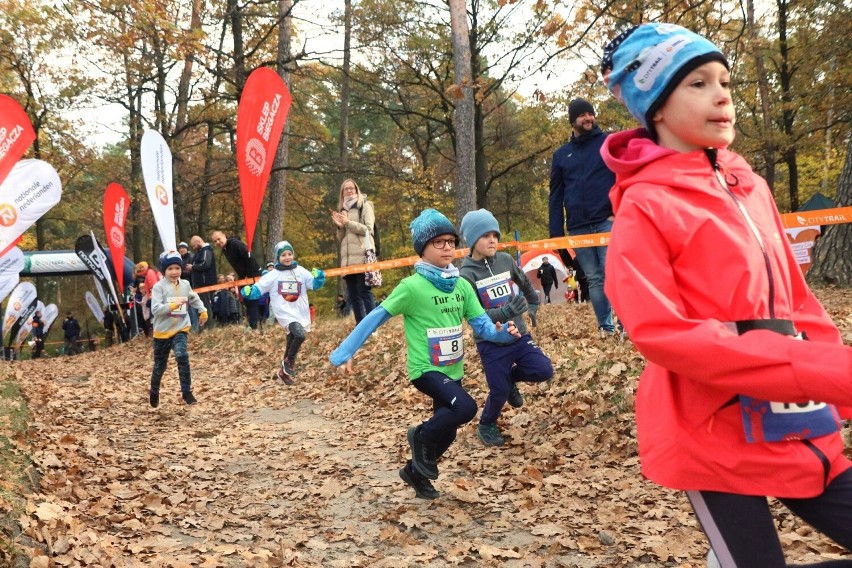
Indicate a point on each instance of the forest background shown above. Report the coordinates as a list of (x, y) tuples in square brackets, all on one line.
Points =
[(376, 104)]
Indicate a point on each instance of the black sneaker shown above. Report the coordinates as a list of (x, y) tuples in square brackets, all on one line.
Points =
[(154, 398), (188, 398), (423, 459), (422, 486), (490, 435), (515, 399)]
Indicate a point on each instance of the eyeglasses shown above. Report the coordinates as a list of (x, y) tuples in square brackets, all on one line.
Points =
[(442, 243)]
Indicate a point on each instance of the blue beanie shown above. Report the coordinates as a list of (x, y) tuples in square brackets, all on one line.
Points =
[(169, 258), (649, 61), (428, 225), (281, 246), (477, 223)]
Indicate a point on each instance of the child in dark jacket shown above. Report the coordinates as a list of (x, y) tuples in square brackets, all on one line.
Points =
[(493, 275), (434, 302), (732, 405)]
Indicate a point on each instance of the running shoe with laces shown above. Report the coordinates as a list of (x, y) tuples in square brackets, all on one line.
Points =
[(420, 483), (490, 435), (515, 399)]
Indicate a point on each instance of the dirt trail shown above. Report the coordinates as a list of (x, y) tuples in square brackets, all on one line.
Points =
[(260, 474)]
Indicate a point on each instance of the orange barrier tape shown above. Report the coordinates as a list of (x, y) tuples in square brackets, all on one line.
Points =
[(834, 216)]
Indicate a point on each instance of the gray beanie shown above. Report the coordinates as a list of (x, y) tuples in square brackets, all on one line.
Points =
[(477, 223)]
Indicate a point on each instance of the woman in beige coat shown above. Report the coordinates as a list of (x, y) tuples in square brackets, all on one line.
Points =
[(354, 220)]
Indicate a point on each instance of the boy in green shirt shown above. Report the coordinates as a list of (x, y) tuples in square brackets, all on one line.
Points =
[(434, 302)]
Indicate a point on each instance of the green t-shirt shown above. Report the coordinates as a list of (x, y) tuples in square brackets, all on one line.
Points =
[(433, 323)]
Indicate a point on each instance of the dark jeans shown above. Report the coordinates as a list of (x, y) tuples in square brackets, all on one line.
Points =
[(546, 288), (593, 262), (360, 296), (504, 365), (451, 407), (161, 358), (37, 348), (72, 347), (252, 312), (742, 532), (295, 337)]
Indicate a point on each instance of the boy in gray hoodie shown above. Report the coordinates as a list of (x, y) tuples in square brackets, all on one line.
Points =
[(492, 275)]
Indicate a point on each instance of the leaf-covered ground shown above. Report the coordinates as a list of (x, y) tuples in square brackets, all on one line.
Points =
[(261, 474)]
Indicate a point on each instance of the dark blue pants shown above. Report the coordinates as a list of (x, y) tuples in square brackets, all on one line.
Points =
[(360, 296), (521, 361), (252, 312), (742, 532), (161, 359), (451, 407)]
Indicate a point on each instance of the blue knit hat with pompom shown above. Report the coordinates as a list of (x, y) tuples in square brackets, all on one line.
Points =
[(428, 225)]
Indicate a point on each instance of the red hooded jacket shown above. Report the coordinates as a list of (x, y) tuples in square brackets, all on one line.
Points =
[(683, 263)]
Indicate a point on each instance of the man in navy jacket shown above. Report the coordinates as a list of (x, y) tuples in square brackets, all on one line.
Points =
[(579, 200)]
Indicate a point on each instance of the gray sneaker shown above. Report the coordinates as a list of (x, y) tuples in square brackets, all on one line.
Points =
[(490, 435)]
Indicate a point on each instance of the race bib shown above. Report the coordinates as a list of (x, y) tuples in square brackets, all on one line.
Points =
[(446, 345), (180, 310), (495, 290), (766, 421), (289, 287)]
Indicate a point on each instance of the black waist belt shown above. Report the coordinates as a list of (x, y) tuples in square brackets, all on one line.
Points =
[(782, 326)]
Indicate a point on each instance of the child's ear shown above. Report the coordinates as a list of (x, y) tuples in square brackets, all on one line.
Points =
[(658, 116)]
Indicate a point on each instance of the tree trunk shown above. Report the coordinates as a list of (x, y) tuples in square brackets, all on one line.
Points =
[(343, 139), (763, 90), (833, 251), (463, 116), (278, 185), (180, 128), (788, 115)]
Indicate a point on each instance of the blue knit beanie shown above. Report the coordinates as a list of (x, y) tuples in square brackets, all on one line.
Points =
[(428, 225), (477, 223), (280, 247), (169, 258), (649, 61)]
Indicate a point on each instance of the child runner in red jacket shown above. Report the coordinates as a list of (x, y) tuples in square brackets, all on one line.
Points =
[(746, 376)]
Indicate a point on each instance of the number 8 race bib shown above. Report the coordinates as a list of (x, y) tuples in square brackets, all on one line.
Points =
[(446, 346)]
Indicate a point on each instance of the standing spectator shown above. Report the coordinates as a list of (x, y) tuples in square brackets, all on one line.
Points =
[(38, 335), (215, 303), (720, 344), (342, 306), (243, 264), (147, 275), (202, 270), (547, 276), (185, 274), (109, 326), (71, 328), (142, 307), (354, 219), (579, 200)]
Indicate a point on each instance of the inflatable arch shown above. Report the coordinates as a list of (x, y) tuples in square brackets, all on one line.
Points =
[(67, 263)]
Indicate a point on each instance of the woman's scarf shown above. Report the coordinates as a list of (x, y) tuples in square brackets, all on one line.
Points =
[(349, 202), (444, 279)]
